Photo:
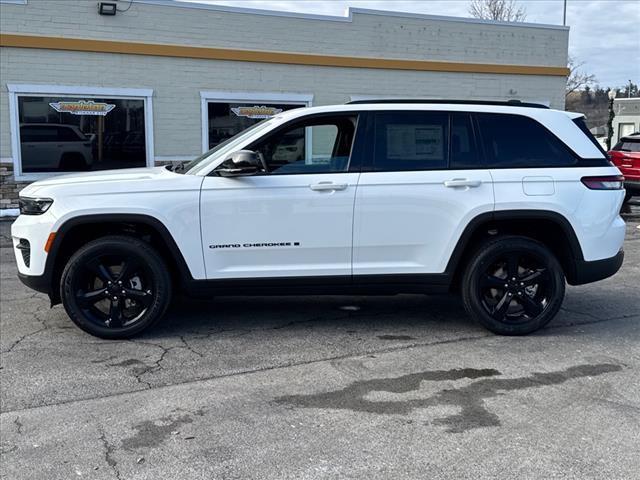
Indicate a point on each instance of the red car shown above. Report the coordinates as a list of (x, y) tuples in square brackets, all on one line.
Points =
[(626, 156)]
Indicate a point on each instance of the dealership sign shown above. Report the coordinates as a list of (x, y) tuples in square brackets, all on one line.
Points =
[(83, 107), (256, 111)]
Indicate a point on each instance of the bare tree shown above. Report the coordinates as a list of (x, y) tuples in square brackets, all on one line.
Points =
[(577, 79), (503, 10)]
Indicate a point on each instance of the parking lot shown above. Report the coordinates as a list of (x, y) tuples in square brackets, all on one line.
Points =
[(324, 387)]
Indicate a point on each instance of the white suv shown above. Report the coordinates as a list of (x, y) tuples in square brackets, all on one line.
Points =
[(501, 201), (47, 147)]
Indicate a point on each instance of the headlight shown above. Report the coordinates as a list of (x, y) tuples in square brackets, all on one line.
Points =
[(34, 206)]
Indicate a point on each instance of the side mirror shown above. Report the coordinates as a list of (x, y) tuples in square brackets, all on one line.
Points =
[(242, 162)]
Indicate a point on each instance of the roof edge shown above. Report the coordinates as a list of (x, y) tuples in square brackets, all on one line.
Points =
[(348, 17)]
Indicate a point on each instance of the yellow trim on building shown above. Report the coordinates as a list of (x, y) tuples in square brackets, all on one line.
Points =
[(211, 53)]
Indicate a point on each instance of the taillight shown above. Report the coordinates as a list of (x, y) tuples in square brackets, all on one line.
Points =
[(610, 182)]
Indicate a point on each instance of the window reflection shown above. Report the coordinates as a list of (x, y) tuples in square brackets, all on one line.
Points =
[(62, 134), (228, 119)]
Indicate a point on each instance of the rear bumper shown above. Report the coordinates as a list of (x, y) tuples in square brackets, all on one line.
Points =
[(588, 272)]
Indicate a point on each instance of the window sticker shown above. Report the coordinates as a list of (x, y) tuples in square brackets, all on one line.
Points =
[(83, 107), (256, 111), (415, 142)]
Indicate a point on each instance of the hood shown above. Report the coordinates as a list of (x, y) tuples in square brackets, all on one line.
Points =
[(102, 177), (123, 174)]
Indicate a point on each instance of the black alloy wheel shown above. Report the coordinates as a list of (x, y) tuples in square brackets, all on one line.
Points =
[(514, 286), (113, 290), (115, 287)]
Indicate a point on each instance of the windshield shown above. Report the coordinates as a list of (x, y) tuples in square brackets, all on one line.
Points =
[(197, 165)]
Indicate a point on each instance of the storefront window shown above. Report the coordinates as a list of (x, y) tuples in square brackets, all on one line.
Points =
[(60, 134), (227, 119)]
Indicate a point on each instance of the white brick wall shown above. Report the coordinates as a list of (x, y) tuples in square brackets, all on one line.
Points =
[(367, 35), (177, 82)]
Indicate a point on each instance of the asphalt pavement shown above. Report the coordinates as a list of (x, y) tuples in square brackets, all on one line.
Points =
[(395, 387)]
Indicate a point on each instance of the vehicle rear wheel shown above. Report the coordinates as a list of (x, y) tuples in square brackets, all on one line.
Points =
[(513, 286), (115, 287), (627, 196)]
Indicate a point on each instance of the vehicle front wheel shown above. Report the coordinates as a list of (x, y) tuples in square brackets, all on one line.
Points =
[(513, 286), (115, 287)]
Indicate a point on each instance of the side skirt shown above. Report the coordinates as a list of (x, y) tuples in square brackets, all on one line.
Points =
[(324, 285)]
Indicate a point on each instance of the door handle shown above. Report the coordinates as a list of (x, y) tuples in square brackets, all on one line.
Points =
[(325, 186), (462, 182)]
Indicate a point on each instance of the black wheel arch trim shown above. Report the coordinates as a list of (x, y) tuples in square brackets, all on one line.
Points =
[(502, 215), (45, 283)]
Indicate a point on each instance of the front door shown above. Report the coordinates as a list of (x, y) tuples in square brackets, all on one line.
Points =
[(294, 219), (422, 189)]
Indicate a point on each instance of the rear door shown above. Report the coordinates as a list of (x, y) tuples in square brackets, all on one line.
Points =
[(422, 185)]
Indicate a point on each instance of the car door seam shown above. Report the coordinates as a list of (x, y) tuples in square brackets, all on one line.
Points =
[(204, 261), (353, 224)]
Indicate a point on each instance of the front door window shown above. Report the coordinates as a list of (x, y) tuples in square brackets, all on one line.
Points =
[(318, 145)]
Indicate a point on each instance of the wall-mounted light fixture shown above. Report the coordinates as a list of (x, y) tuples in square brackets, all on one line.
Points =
[(107, 8)]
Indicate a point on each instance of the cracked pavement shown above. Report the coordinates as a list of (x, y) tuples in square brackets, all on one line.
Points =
[(324, 387)]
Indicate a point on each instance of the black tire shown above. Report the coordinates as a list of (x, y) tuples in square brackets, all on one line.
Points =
[(73, 162), (508, 300), (627, 196), (115, 287)]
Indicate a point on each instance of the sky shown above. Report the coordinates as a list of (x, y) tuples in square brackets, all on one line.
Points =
[(604, 35)]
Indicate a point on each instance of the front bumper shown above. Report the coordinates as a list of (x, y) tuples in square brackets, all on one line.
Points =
[(588, 272), (35, 230), (39, 283)]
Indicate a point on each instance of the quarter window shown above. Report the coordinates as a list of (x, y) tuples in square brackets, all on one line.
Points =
[(512, 141), (411, 141), (316, 145)]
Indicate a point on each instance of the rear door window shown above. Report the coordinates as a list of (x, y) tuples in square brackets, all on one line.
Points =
[(464, 151), (406, 141), (516, 141), (38, 134)]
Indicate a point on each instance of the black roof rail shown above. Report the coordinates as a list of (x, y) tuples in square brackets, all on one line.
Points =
[(503, 103)]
